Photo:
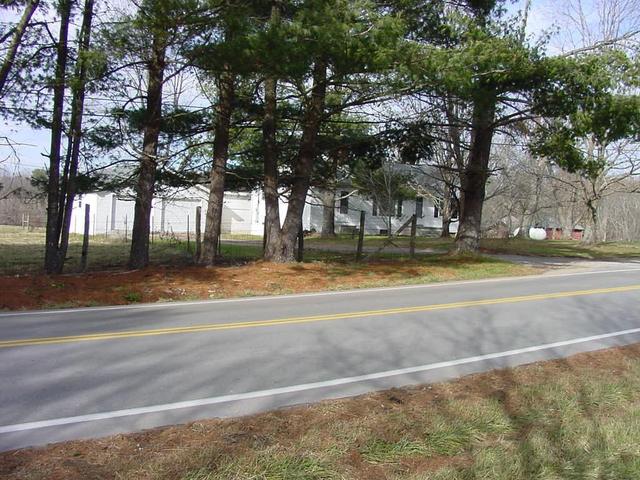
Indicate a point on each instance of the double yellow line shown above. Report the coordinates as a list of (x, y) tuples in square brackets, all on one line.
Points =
[(309, 319)]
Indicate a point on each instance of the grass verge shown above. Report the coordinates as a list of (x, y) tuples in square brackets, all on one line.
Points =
[(563, 248), (575, 418), (512, 246)]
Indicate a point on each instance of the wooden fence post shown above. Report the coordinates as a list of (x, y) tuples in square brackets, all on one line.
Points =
[(188, 236), (412, 240), (361, 236), (85, 239), (300, 255), (264, 237), (198, 234)]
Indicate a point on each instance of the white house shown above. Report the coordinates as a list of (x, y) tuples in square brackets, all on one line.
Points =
[(243, 213), (347, 215)]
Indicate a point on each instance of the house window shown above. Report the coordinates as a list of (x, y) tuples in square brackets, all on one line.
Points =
[(436, 211), (419, 207), (399, 208), (344, 203)]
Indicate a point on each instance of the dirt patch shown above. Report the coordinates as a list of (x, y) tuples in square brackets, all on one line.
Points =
[(332, 434), (256, 278)]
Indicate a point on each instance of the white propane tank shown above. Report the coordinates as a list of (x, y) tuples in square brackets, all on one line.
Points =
[(537, 234)]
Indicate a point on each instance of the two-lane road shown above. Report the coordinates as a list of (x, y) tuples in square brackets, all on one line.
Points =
[(92, 372)]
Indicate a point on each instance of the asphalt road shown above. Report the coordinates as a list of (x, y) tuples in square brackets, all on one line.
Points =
[(91, 372)]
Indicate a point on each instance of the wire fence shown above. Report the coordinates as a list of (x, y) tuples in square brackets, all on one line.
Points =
[(344, 234), (375, 234)]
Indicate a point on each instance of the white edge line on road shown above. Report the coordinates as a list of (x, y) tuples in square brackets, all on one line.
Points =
[(302, 387), (315, 294)]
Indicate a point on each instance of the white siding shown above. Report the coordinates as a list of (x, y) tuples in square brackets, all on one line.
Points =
[(179, 215), (258, 212), (122, 212), (237, 214)]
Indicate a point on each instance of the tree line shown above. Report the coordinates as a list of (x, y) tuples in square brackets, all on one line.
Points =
[(292, 94)]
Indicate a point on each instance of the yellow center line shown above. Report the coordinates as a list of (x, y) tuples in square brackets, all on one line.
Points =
[(308, 319)]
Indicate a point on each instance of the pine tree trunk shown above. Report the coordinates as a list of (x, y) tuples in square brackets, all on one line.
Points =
[(139, 254), (224, 110), (474, 178), (272, 230), (53, 263), (12, 50), (304, 164), (68, 193)]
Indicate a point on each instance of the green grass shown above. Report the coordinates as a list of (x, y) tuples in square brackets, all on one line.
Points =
[(133, 297), (429, 269), (273, 466), (380, 451), (241, 251), (448, 431), (241, 236), (375, 241)]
